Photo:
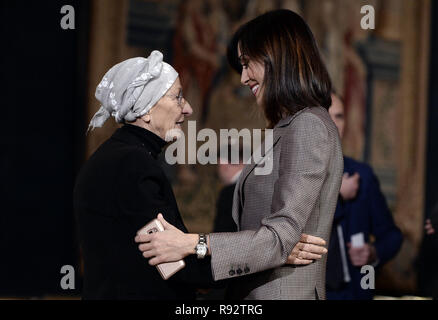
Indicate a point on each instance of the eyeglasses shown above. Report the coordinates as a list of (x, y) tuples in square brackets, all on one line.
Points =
[(179, 98)]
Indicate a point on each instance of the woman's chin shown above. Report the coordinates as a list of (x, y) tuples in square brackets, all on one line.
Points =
[(174, 134)]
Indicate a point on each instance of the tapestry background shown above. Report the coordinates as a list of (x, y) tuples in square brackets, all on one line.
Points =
[(381, 74)]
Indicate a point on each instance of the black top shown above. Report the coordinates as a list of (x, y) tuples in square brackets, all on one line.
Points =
[(119, 190)]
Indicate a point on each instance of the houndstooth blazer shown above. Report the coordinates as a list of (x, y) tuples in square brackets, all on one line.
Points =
[(273, 210)]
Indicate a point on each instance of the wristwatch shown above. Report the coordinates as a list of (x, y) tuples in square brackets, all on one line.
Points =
[(201, 247)]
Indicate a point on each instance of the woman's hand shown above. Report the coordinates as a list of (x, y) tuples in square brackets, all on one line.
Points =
[(167, 246), (363, 255), (309, 248)]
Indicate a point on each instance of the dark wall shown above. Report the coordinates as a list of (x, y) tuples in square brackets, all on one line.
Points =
[(43, 70), (428, 259), (432, 144)]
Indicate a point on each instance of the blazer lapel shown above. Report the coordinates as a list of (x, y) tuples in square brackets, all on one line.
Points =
[(250, 167), (236, 206)]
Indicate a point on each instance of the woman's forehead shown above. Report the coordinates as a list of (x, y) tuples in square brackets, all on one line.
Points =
[(176, 87)]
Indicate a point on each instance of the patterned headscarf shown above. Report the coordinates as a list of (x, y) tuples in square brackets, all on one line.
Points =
[(131, 88)]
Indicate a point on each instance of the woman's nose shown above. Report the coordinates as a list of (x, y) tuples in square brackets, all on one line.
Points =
[(244, 77), (187, 109)]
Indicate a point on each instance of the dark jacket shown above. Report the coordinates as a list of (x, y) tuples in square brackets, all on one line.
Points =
[(367, 213), (118, 191), (224, 220)]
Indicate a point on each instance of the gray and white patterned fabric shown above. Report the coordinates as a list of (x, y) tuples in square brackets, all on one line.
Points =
[(272, 211), (132, 87)]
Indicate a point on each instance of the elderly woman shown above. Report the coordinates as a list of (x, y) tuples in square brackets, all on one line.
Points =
[(122, 186), (279, 61)]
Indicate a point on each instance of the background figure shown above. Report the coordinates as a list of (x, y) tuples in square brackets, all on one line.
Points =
[(432, 223), (427, 263), (361, 212), (228, 174)]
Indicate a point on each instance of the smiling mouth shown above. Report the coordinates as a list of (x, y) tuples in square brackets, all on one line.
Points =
[(180, 122), (255, 89)]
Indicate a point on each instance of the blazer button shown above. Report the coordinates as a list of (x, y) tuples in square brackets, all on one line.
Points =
[(232, 272), (239, 271), (246, 270)]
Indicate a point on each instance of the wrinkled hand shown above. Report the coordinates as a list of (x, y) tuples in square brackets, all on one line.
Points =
[(429, 228), (167, 246), (349, 186), (309, 248), (363, 255)]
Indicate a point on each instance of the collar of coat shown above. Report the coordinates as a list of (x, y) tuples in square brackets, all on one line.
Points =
[(135, 135)]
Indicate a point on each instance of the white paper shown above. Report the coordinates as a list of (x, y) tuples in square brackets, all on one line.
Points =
[(357, 240)]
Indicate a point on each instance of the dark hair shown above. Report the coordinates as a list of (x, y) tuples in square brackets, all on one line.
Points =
[(295, 75)]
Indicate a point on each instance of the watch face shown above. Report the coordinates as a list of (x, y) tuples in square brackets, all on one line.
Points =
[(201, 249)]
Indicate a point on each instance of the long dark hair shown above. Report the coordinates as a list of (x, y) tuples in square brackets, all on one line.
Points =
[(295, 75)]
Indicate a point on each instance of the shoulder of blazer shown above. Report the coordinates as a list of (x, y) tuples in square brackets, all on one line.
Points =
[(309, 115), (317, 111)]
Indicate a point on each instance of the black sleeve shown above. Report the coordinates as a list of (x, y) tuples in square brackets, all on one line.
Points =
[(197, 274), (388, 236)]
